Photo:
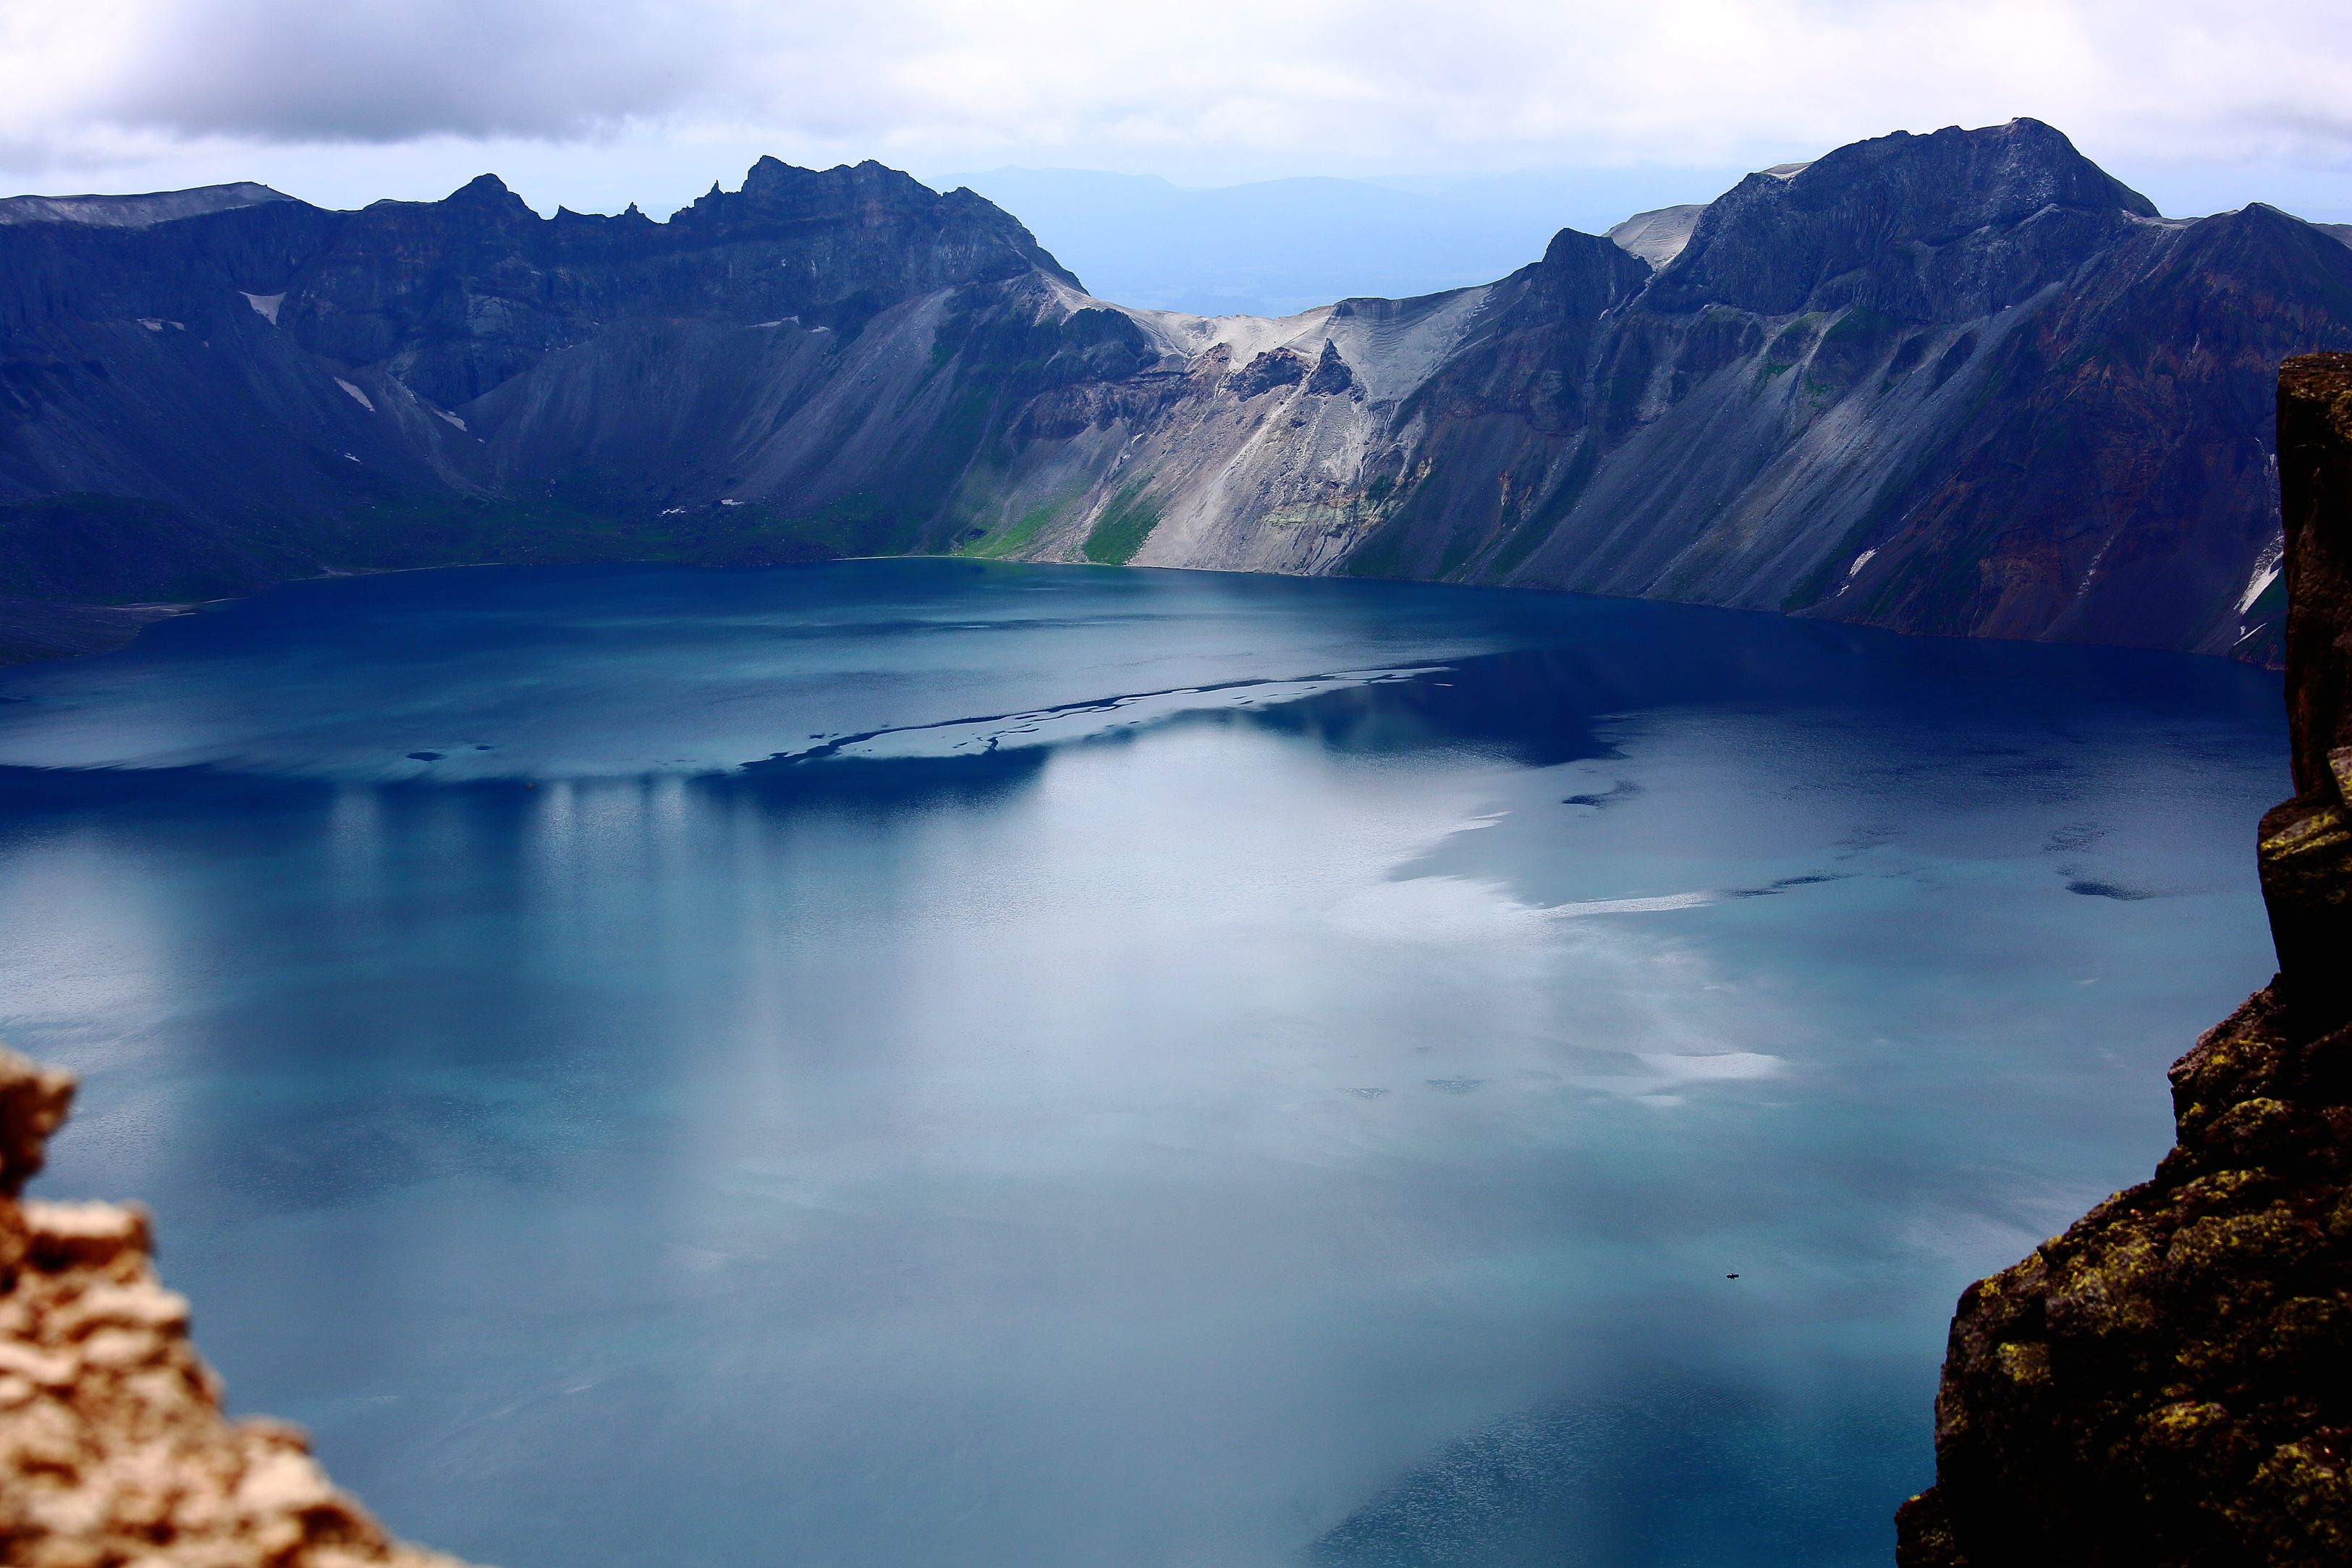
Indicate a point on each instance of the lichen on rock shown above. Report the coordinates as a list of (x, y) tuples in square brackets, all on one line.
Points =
[(114, 1452), (2168, 1385)]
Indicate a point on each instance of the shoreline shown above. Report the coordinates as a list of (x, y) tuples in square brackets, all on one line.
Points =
[(81, 631)]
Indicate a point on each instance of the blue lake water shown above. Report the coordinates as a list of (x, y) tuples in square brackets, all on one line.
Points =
[(922, 1063)]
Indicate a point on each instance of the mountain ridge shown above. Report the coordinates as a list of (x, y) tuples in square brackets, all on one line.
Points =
[(1963, 383), (136, 212)]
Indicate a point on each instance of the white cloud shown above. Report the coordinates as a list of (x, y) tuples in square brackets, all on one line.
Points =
[(1233, 85)]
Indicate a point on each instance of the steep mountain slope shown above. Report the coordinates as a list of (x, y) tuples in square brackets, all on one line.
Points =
[(206, 405), (1958, 384), (1963, 383)]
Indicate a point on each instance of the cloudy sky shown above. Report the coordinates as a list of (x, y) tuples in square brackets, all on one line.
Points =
[(594, 103)]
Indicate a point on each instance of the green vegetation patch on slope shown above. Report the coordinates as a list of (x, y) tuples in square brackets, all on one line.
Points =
[(121, 550), (551, 529), (1123, 527), (1382, 552), (1853, 344), (1013, 539)]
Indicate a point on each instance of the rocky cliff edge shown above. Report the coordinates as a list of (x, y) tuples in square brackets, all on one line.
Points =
[(113, 1449), (2168, 1385)]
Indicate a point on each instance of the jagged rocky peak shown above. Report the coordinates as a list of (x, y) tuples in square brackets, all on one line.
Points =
[(113, 1448), (774, 188), (2168, 1385), (1331, 374), (1940, 227), (1581, 275), (456, 298), (487, 191), (881, 200), (772, 184)]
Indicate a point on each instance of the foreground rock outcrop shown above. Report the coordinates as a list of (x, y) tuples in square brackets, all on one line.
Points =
[(2168, 1385), (113, 1449)]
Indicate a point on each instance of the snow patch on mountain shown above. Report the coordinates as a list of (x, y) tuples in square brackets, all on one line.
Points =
[(2266, 571)]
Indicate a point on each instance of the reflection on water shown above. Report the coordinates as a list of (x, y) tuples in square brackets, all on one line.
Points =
[(901, 1062)]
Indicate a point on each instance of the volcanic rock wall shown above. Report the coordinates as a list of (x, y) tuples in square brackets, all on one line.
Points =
[(113, 1449), (1964, 383), (2168, 1385)]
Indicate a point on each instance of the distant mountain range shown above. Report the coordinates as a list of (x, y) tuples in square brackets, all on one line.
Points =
[(1962, 383), (1276, 246)]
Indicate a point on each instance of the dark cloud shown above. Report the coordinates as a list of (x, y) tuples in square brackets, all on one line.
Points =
[(393, 70)]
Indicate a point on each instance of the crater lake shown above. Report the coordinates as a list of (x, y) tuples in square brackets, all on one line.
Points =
[(936, 1062)]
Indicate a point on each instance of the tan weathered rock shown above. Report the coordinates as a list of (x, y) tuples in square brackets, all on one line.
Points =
[(113, 1449), (2168, 1385)]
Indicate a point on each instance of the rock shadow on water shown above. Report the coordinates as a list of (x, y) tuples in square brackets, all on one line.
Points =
[(1654, 1475), (1535, 707), (2073, 837), (2091, 887), (1624, 790), (29, 794), (1788, 884), (1482, 702), (979, 778)]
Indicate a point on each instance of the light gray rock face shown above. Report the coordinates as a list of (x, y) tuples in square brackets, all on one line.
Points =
[(1657, 238), (1962, 383), (135, 211)]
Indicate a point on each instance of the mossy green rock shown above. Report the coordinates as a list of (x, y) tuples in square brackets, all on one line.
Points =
[(2170, 1381)]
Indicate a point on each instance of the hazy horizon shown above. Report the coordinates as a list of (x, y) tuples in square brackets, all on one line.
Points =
[(337, 176)]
